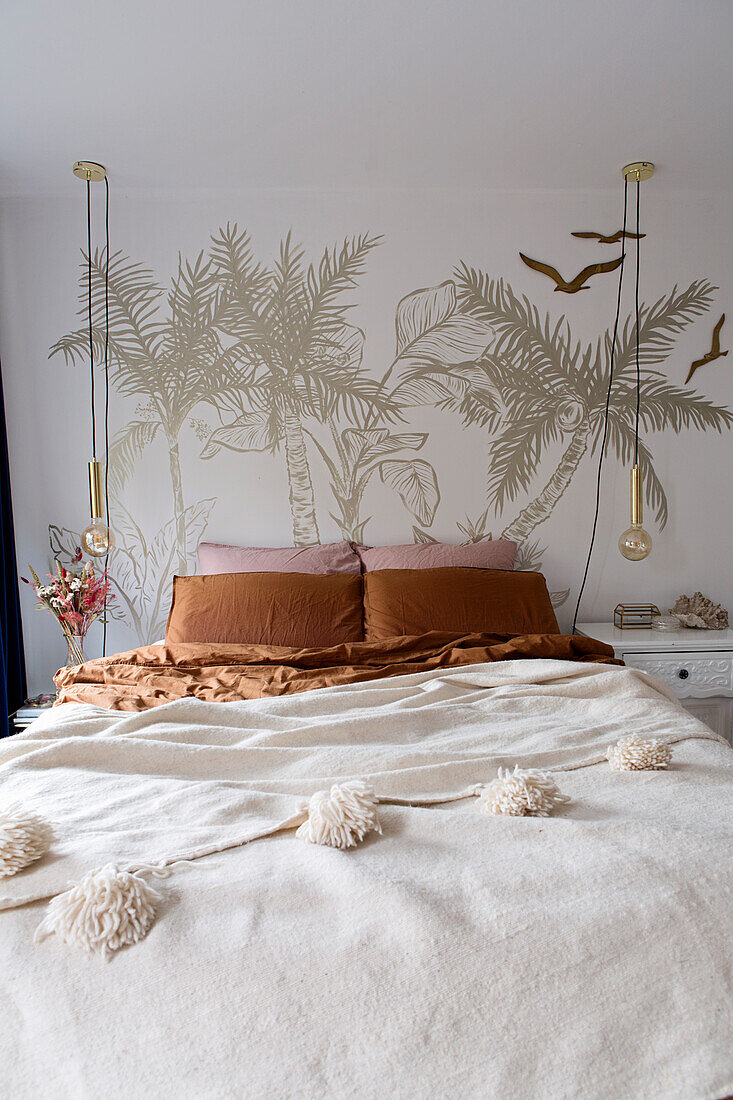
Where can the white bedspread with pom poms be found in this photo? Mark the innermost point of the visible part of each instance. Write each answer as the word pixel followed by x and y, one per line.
pixel 578 942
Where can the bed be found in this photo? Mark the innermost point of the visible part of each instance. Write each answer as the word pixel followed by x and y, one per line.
pixel 455 952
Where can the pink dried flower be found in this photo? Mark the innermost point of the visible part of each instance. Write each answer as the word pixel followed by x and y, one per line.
pixel 75 599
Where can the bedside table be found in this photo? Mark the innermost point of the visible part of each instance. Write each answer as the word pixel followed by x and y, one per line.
pixel 20 719
pixel 696 664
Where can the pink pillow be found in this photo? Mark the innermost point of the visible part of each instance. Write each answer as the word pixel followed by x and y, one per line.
pixel 335 557
pixel 488 554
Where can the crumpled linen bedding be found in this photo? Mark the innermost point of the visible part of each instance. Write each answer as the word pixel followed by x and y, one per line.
pixel 151 675
pixel 586 954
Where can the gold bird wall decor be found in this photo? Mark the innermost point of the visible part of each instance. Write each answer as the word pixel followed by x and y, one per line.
pixel 714 353
pixel 571 286
pixel 611 238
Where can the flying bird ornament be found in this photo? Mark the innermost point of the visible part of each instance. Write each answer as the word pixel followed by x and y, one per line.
pixel 572 286
pixel 610 238
pixel 714 353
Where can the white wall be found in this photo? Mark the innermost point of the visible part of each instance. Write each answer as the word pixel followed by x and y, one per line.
pixel 426 232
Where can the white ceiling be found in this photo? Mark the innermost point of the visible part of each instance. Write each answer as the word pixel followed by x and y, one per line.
pixel 220 94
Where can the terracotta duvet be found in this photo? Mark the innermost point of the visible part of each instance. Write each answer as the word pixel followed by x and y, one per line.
pixel 151 675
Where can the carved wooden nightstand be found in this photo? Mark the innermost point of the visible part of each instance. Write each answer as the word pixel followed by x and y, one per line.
pixel 696 664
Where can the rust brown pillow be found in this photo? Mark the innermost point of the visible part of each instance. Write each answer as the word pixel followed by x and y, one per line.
pixel 291 609
pixel 482 601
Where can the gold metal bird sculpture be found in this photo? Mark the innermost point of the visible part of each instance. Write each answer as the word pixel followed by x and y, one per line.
pixel 714 353
pixel 571 286
pixel 611 238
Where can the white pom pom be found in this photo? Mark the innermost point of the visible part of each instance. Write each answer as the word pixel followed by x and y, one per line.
pixel 106 910
pixel 24 838
pixel 341 817
pixel 521 794
pixel 634 754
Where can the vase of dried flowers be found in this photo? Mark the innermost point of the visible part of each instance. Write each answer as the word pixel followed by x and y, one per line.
pixel 75 649
pixel 75 597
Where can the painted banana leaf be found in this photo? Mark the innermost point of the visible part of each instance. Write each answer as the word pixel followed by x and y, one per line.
pixel 430 328
pixel 252 431
pixel 368 445
pixel 417 484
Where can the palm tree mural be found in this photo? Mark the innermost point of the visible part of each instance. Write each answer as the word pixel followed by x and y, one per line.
pixel 535 386
pixel 169 362
pixel 268 349
pixel 298 360
pixel 553 389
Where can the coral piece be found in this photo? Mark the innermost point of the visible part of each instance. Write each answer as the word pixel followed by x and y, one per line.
pixel 106 910
pixel 341 817
pixel 699 612
pixel 634 754
pixel 24 838
pixel 521 793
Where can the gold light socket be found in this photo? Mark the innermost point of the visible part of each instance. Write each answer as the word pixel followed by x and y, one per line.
pixel 89 170
pixel 636 500
pixel 638 171
pixel 95 489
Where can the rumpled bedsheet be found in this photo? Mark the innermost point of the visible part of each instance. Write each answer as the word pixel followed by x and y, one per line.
pixel 151 675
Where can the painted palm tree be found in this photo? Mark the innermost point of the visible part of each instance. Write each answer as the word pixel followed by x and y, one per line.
pixel 171 362
pixel 563 398
pixel 298 360
pixel 536 387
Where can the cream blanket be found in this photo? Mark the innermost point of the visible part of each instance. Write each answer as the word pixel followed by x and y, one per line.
pixel 587 954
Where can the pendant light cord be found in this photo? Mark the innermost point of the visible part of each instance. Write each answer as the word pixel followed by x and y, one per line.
pixel 612 358
pixel 636 297
pixel 106 367
pixel 89 312
pixel 106 395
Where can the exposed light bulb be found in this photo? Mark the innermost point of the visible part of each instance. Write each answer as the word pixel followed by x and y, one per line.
pixel 635 543
pixel 97 539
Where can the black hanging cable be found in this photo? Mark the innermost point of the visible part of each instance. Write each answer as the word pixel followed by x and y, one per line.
pixel 608 395
pixel 89 311
pixel 638 373
pixel 106 395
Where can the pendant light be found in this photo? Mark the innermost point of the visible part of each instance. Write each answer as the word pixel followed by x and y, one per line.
pixel 635 543
pixel 97 539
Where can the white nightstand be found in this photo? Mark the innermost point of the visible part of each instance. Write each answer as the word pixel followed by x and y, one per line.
pixel 696 664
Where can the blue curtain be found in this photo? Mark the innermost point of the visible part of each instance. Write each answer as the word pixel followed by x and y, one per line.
pixel 11 631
